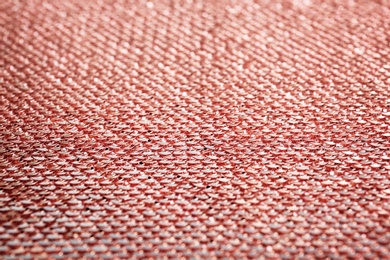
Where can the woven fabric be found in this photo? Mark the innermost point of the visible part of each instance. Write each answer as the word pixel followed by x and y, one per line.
pixel 194 129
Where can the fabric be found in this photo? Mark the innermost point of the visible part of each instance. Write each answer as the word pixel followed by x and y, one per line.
pixel 194 129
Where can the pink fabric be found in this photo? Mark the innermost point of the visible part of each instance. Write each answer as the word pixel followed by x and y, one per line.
pixel 194 129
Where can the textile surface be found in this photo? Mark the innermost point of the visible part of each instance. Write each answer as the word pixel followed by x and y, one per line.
pixel 194 129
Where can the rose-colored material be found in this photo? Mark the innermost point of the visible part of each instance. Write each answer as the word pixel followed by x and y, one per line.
pixel 195 129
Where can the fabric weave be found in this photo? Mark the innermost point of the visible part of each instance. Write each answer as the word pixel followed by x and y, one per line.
pixel 194 129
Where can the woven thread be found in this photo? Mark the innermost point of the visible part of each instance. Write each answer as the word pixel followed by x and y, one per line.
pixel 194 129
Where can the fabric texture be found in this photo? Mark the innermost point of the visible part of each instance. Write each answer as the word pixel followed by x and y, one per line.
pixel 194 129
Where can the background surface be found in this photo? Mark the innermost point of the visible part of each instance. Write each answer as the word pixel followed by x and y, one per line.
pixel 195 129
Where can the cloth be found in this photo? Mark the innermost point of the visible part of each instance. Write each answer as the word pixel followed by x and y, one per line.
pixel 194 129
